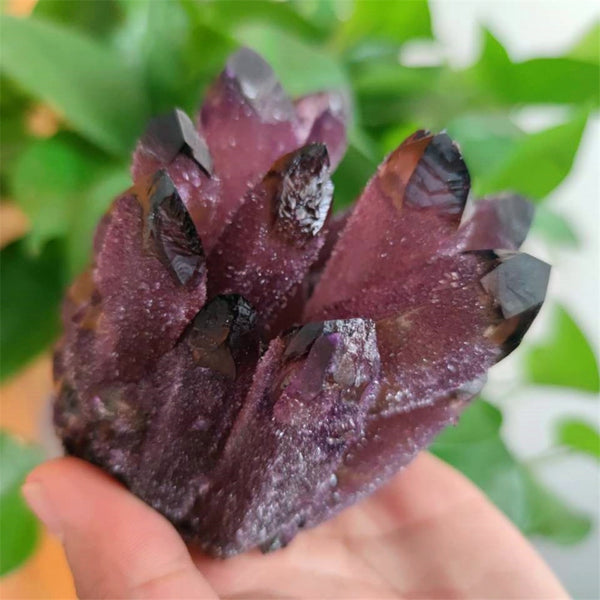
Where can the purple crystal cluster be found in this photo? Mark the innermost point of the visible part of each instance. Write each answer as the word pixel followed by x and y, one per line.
pixel 248 363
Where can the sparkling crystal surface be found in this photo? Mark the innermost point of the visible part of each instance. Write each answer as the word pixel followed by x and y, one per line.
pixel 249 363
pixel 501 222
pixel 413 203
pixel 276 235
pixel 172 144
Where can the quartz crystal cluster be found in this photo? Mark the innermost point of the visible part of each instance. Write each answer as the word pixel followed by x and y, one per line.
pixel 249 363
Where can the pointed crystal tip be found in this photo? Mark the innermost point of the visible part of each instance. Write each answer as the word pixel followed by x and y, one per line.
pixel 218 329
pixel 259 85
pixel 171 133
pixel 515 215
pixel 518 284
pixel 173 231
pixel 300 340
pixel 499 222
pixel 441 179
pixel 305 191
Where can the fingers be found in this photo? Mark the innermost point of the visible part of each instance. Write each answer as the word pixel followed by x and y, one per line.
pixel 117 546
pixel 429 533
pixel 439 536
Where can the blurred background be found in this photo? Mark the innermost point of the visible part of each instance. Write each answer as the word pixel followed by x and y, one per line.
pixel 516 83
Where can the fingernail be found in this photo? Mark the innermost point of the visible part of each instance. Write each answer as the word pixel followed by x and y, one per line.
pixel 38 502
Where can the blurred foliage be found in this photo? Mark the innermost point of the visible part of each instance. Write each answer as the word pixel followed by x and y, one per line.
pixel 565 358
pixel 31 288
pixel 476 448
pixel 101 96
pixel 552 151
pixel 579 436
pixel 18 526
pixel 105 67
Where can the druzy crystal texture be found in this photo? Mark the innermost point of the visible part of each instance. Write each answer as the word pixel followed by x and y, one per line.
pixel 249 363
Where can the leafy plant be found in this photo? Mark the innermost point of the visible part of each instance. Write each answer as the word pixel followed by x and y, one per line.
pixel 105 67
pixel 476 448
pixel 579 436
pixel 18 526
pixel 565 358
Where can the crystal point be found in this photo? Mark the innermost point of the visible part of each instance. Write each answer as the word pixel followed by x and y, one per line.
pixel 259 85
pixel 411 205
pixel 246 127
pixel 269 246
pixel 300 341
pixel 173 231
pixel 305 191
pixel 172 145
pixel 518 284
pixel 249 364
pixel 218 331
pixel 174 132
pixel 440 179
pixel 496 223
pixel 323 118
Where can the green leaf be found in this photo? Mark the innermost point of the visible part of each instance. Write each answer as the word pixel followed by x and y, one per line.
pixel 554 229
pixel 579 436
pixel 493 53
pixel 357 166
pixel 48 181
pixel 65 186
pixel 394 136
pixel 389 93
pixel 551 517
pixel 18 526
pixel 565 358
pixel 395 22
pixel 560 80
pixel 538 163
pixel 30 292
pixel 228 15
pixel 302 67
pixel 551 81
pixel 588 47
pixel 390 78
pixel 96 17
pixel 13 106
pixel 486 140
pixel 476 448
pixel 87 82
pixel 170 52
pixel 326 15
pixel 89 209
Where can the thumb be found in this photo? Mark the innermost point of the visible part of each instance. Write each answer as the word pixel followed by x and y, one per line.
pixel 117 546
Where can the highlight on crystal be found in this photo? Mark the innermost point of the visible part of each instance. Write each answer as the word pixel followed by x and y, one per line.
pixel 249 362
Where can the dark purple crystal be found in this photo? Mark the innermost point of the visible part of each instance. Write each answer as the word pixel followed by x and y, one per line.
pixel 174 234
pixel 276 235
pixel 248 363
pixel 501 222
pixel 169 134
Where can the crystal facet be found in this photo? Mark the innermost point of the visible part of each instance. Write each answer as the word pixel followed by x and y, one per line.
pixel 498 222
pixel 247 362
pixel 276 235
pixel 171 144
pixel 174 234
pixel 413 203
pixel 174 132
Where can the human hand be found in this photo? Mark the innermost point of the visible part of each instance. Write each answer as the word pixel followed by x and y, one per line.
pixel 428 534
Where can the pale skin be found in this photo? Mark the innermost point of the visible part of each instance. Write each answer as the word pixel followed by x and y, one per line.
pixel 428 534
